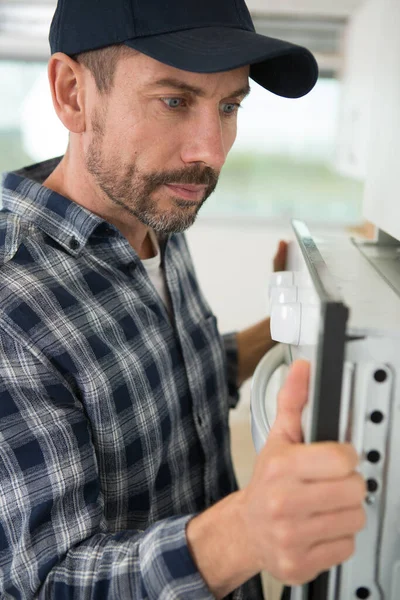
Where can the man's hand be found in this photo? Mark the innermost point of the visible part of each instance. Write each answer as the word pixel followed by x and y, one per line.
pixel 298 516
pixel 304 504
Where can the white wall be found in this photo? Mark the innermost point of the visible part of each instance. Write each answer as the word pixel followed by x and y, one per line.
pixel 382 191
pixel 360 52
pixel 369 133
pixel 234 263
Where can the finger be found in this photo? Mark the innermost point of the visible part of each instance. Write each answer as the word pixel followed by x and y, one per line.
pixel 326 555
pixel 306 463
pixel 325 461
pixel 281 257
pixel 305 534
pixel 291 401
pixel 333 526
pixel 306 501
pixel 294 570
pixel 330 496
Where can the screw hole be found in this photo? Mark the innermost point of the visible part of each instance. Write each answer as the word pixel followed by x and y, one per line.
pixel 380 375
pixel 377 416
pixel 373 456
pixel 372 485
pixel 363 593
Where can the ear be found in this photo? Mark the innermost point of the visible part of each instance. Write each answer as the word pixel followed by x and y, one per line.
pixel 66 80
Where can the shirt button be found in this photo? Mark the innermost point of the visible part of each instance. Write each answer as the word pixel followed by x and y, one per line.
pixel 74 244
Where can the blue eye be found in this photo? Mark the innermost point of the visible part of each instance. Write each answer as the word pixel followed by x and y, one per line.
pixel 230 108
pixel 173 102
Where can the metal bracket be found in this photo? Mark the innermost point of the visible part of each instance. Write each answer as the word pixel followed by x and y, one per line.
pixel 373 388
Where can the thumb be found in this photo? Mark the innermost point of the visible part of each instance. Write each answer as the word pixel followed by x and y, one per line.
pixel 291 401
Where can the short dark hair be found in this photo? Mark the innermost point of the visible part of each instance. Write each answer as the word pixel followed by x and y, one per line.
pixel 102 64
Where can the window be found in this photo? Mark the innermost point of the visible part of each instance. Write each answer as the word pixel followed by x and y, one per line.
pixel 29 128
pixel 283 162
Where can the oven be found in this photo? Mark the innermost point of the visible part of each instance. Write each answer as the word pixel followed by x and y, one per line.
pixel 338 306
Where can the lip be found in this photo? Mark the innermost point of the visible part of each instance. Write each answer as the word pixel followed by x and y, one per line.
pixel 187 191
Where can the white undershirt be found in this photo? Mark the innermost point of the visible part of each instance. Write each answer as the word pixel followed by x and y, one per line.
pixel 156 273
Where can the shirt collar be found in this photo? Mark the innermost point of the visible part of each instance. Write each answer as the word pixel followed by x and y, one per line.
pixel 68 223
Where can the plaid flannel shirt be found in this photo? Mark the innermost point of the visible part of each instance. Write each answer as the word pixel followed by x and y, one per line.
pixel 113 420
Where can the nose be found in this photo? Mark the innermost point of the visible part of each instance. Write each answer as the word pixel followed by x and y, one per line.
pixel 206 141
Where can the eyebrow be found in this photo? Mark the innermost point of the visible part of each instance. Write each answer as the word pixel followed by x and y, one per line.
pixel 197 91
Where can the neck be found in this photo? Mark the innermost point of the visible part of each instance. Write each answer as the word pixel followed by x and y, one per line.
pixel 69 180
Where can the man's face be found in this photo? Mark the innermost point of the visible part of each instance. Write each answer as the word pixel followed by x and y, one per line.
pixel 160 138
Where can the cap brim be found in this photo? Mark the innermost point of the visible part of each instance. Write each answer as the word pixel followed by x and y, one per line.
pixel 281 67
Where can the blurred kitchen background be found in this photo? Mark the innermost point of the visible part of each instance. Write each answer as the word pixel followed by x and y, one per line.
pixel 301 158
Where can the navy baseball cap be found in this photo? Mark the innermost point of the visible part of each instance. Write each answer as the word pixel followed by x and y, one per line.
pixel 202 36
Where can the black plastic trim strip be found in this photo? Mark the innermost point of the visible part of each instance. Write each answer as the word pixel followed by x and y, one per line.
pixel 329 367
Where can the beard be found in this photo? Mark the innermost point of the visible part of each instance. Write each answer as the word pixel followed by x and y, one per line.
pixel 133 191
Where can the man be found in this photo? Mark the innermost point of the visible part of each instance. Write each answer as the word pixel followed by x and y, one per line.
pixel 115 473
